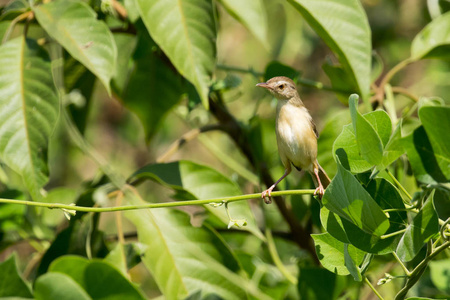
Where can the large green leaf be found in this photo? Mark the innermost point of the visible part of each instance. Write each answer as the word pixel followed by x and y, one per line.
pixel 393 149
pixel 347 198
pixel 369 143
pixel 311 282
pixel 28 111
pixel 436 121
pixel 75 26
pixel 344 27
pixel 185 31
pixel 201 182
pixel 183 258
pixel 58 286
pixel 424 226
pixel 252 14
pixel 434 40
pixel 11 283
pixel 99 279
pixel 331 253
pixel 153 88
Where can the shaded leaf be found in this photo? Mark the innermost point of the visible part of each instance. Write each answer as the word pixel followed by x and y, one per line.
pixel 201 182
pixel 11 283
pixel 75 26
pixel 185 31
pixel 28 111
pixel 347 198
pixel 434 40
pixel 311 282
pixel 153 88
pixel 436 121
pixel 99 279
pixel 352 267
pixel 275 68
pixel 57 286
pixel 183 258
pixel 339 81
pixel 393 149
pixel 331 253
pixel 344 27
pixel 251 14
pixel 423 227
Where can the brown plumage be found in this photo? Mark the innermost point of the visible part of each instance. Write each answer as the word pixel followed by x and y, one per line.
pixel 296 134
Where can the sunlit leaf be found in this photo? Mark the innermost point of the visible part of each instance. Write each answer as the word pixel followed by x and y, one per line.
pixel 28 111
pixel 185 31
pixel 423 227
pixel 183 258
pixel 58 286
pixel 74 25
pixel 331 253
pixel 344 27
pixel 252 14
pixel 440 274
pixel 201 182
pixel 434 40
pixel 99 279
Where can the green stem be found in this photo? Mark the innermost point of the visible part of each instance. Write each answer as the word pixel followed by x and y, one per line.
pixel 400 186
pixel 276 258
pixel 154 205
pixel 386 236
pixel 405 269
pixel 373 288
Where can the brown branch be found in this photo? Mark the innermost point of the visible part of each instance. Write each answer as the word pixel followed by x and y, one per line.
pixel 238 135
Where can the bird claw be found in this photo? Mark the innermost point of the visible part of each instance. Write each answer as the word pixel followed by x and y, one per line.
pixel 319 191
pixel 266 193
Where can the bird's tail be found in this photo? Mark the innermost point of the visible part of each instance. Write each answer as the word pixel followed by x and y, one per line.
pixel 324 177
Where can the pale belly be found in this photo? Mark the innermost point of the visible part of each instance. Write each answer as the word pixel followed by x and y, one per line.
pixel 297 143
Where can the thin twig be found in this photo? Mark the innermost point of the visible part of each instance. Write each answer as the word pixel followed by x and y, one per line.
pixel 276 258
pixel 373 288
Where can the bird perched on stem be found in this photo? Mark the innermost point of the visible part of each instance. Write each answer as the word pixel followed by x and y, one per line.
pixel 296 134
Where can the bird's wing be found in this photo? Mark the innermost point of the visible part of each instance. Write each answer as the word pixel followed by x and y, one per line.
pixel 313 125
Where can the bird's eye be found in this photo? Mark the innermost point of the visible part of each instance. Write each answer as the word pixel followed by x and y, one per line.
pixel 281 86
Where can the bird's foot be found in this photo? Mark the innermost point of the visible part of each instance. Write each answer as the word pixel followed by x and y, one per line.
pixel 319 191
pixel 267 193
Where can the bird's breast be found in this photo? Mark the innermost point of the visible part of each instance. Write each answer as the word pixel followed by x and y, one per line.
pixel 295 135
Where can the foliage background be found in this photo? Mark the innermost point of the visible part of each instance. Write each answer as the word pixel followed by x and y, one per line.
pixel 106 131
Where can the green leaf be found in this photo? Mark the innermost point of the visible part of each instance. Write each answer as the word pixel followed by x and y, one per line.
pixel 126 45
pixel 347 198
pixel 311 283
pixel 436 121
pixel 393 149
pixel 351 265
pixel 57 286
pixel 99 279
pixel 201 182
pixel 28 111
pixel 152 80
pixel 440 274
pixel 367 138
pixel 423 227
pixel 11 283
pixel 434 40
pixel 252 15
pixel 74 25
pixel 352 157
pixel 185 31
pixel 340 81
pixel 275 68
pixel 331 253
pixel 424 161
pixel 183 258
pixel 344 27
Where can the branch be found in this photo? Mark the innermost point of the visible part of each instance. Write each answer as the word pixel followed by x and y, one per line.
pixel 68 207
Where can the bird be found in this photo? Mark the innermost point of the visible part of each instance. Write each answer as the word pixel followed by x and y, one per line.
pixel 296 134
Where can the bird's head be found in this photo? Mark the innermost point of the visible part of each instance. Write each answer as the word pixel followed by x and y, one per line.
pixel 281 87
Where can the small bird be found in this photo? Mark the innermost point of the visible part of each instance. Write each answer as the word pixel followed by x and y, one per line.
pixel 296 134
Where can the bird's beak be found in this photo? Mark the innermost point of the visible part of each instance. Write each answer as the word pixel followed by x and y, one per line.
pixel 263 85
